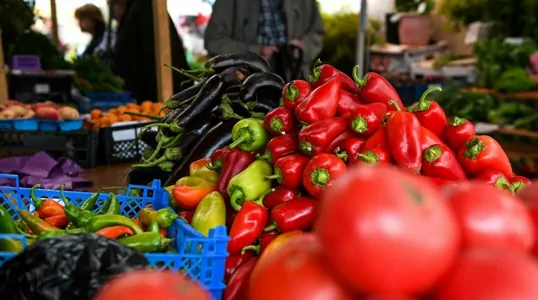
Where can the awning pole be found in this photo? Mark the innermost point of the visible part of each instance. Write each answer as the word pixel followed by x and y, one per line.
pixel 361 37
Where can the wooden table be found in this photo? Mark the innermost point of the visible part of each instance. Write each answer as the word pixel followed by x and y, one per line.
pixel 108 176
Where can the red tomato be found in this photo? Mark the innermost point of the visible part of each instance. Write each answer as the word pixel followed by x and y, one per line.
pixel 150 285
pixel 491 274
pixel 385 231
pixel 530 196
pixel 489 217
pixel 294 272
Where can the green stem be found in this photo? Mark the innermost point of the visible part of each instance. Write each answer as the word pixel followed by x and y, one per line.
pixel 432 154
pixel 457 121
pixel 238 141
pixel 306 147
pixel 368 157
pixel 37 201
pixel 155 152
pixel 292 92
pixel 274 176
pixel 254 248
pixel 276 124
pixel 424 104
pixel 473 148
pixel 342 154
pixel 320 177
pixel 393 103
pixel 228 112
pixel 236 197
pixel 182 72
pixel 270 227
pixel 152 117
pixel 265 156
pixel 360 81
pixel 359 124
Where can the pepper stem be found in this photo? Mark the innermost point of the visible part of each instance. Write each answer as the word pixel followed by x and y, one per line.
pixel 265 156
pixel 281 102
pixel 228 113
pixel 433 153
pixel 361 82
pixel 255 248
pixel 359 124
pixel 342 154
pixel 518 186
pixel 424 104
pixel 182 72
pixel 37 201
pixel 320 177
pixel 393 103
pixel 259 201
pixel 276 124
pixel 280 178
pixel 274 176
pixel 270 227
pixel 368 157
pixel 457 121
pixel 237 196
pixel 306 147
pixel 473 148
pixel 238 141
pixel 504 184
pixel 152 117
pixel 292 92
pixel 155 152
pixel 215 165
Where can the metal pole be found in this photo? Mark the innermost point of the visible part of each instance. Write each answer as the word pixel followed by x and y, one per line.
pixel 361 37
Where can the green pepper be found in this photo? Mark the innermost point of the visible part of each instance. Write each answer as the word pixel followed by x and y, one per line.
pixel 35 224
pixel 154 226
pixel 67 204
pixel 249 135
pixel 210 213
pixel 56 233
pixel 101 221
pixel 111 207
pixel 8 226
pixel 89 204
pixel 165 217
pixel 146 242
pixel 250 184
pixel 83 218
pixel 171 200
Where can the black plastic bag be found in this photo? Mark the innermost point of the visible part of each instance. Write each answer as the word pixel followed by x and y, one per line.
pixel 67 267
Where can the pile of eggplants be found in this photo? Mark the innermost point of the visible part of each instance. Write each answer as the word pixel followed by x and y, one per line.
pixel 200 118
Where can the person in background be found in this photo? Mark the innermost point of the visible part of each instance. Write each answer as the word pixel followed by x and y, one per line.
pixel 90 20
pixel 134 57
pixel 264 27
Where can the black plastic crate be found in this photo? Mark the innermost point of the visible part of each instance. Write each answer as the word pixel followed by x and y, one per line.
pixel 114 140
pixel 35 86
pixel 81 146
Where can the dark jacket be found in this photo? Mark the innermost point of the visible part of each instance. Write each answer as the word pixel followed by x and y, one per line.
pixel 134 58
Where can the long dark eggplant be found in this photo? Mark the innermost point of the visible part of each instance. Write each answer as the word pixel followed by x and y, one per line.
pixel 217 137
pixel 180 98
pixel 252 61
pixel 257 85
pixel 234 76
pixel 149 137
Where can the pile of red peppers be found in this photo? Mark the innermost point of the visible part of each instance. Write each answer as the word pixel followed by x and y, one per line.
pixel 272 181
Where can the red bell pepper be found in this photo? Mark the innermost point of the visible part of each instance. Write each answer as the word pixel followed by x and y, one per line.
pixel 519 182
pixel 404 139
pixel 314 138
pixel 288 169
pixel 298 214
pixel 216 159
pixel 496 178
pixel 237 287
pixel 365 119
pixel 267 238
pixel 295 92
pixel 457 131
pixel 234 261
pixel 247 226
pixel 337 142
pixel 278 195
pixel 186 215
pixel 375 88
pixel 439 182
pixel 347 103
pixel 428 139
pixel 321 171
pixel 377 140
pixel 321 103
pixel 374 156
pixel 279 121
pixel 324 73
pixel 349 149
pixel 430 114
pixel 233 163
pixel 280 146
pixel 482 153
pixel 440 162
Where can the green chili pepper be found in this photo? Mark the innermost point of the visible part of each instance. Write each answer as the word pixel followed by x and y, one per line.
pixel 210 213
pixel 83 218
pixel 37 201
pixel 111 207
pixel 250 184
pixel 154 226
pixel 56 233
pixel 146 242
pixel 99 222
pixel 89 204
pixel 249 135
pixel 105 206
pixel 71 211
pixel 35 224
pixel 8 226
pixel 165 217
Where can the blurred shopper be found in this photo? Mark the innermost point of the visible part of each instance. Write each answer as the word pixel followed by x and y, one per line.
pixel 266 27
pixel 90 20
pixel 134 58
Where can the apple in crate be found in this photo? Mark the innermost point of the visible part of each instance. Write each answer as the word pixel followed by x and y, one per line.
pixel 68 113
pixel 47 113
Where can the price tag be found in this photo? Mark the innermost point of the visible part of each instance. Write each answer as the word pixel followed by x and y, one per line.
pixel 42 88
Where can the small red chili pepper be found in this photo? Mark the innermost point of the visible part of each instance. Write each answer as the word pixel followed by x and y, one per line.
pixel 216 159
pixel 321 171
pixel 278 195
pixel 347 102
pixel 428 139
pixel 349 149
pixel 430 114
pixel 59 221
pixel 377 140
pixel 186 215
pixel 321 103
pixel 365 119
pixel 237 286
pixel 457 131
pixel 45 207
pixel 375 88
pixel 280 146
pixel 496 178
pixel 403 136
pixel 233 163
pixel 234 261
pixel 440 162
pixel 337 142
pixel 289 169
pixel 279 121
pixel 519 182
pixel 323 73
pixel 482 153
pixel 295 92
pixel 314 138
pixel 374 156
pixel 114 232
pixel 298 214
pixel 247 226
pixel 267 238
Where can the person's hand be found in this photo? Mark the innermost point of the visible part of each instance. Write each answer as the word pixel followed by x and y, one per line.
pixel 268 51
pixel 297 43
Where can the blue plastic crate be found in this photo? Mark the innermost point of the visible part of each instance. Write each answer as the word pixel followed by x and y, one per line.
pixel 71 125
pixel 26 124
pixel 48 125
pixel 105 101
pixel 202 258
pixel 6 124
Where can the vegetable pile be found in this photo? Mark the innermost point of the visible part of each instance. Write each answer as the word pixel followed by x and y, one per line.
pixel 99 119
pixel 146 233
pixel 45 111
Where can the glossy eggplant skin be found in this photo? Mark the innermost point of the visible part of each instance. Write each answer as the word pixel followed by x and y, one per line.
pixel 262 85
pixel 250 60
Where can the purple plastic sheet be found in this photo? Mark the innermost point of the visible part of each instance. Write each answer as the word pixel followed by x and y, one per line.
pixel 42 169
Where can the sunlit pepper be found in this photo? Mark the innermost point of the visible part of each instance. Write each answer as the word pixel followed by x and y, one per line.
pixel 199 169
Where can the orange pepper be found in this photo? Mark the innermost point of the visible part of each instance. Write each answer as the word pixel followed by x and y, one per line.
pixel 198 169
pixel 190 190
pixel 59 221
pixel 279 242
